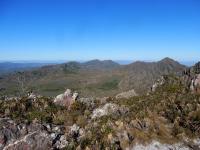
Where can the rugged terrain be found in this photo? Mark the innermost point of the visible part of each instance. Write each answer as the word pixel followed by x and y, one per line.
pixel 167 117
pixel 93 78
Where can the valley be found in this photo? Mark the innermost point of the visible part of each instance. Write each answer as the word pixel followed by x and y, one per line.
pixel 94 78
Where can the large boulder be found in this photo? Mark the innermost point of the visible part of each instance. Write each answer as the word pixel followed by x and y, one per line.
pixel 66 99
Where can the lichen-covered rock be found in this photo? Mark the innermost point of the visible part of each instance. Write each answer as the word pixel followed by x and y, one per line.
pixel 35 136
pixel 107 109
pixel 195 84
pixel 66 99
pixel 61 143
pixel 89 102
pixel 36 140
pixel 22 136
pixel 155 145
pixel 158 83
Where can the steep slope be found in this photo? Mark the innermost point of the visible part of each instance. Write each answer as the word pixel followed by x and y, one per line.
pixel 141 75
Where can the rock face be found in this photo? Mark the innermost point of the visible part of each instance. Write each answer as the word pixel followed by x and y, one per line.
pixel 35 136
pixel 66 99
pixel 155 145
pixel 36 140
pixel 23 136
pixel 158 83
pixel 195 84
pixel 192 78
pixel 128 94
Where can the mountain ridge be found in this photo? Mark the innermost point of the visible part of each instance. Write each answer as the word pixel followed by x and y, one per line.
pixel 99 78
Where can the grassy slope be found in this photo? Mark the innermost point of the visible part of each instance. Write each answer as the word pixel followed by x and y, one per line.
pixel 97 79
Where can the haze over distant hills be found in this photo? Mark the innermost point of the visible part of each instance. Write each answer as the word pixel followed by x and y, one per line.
pixel 21 65
pixel 8 67
pixel 99 78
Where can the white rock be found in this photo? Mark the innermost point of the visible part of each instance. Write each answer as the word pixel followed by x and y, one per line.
pixel 68 92
pixel 158 83
pixel 66 99
pixel 107 109
pixel 128 94
pixel 53 135
pixel 74 129
pixel 61 143
pixel 74 96
pixel 155 145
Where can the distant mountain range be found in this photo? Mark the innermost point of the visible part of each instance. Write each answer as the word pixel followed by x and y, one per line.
pixel 11 66
pixel 95 77
pixel 8 67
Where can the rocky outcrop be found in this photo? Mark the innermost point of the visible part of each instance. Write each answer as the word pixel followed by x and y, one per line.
pixel 90 102
pixel 127 94
pixel 196 68
pixel 195 84
pixel 36 140
pixel 108 109
pixel 30 136
pixel 66 99
pixel 158 83
pixel 155 145
pixel 191 77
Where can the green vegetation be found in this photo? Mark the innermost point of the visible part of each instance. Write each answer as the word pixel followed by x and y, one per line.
pixel 168 115
pixel 110 85
pixel 95 78
pixel 71 68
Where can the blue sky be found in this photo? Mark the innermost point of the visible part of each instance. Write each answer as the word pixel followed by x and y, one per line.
pixel 103 29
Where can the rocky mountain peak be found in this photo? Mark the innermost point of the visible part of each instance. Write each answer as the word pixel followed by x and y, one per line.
pixel 170 61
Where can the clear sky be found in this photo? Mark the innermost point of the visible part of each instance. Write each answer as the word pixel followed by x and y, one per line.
pixel 102 29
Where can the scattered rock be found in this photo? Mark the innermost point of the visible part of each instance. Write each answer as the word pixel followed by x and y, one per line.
pixel 128 94
pixel 155 145
pixel 61 143
pixel 107 109
pixel 30 136
pixel 90 102
pixel 32 96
